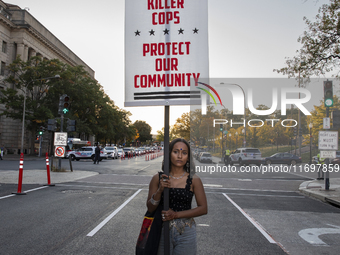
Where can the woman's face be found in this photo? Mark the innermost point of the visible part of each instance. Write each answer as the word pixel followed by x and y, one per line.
pixel 179 154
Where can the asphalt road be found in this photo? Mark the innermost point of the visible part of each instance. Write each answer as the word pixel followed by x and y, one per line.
pixel 249 213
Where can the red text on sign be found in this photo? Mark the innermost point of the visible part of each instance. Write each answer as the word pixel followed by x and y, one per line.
pixel 165 80
pixel 165 4
pixel 169 48
pixel 161 18
pixel 166 64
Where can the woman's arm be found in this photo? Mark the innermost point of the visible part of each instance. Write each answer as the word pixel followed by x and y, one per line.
pixel 155 189
pixel 201 200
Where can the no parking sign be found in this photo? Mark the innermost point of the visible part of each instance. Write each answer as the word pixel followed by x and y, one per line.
pixel 59 151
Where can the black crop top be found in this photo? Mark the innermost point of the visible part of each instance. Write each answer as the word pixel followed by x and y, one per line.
pixel 180 198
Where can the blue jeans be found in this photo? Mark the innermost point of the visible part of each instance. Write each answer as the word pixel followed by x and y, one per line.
pixel 180 244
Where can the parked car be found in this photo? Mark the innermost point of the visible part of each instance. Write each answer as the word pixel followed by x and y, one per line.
pixel 120 152
pixel 283 158
pixel 205 157
pixel 246 156
pixel 128 152
pixel 112 152
pixel 87 152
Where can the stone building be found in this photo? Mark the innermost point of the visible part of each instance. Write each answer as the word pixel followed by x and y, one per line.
pixel 22 35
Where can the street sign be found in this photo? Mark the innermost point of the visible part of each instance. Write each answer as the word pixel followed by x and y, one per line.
pixel 59 151
pixel 327 154
pixel 60 139
pixel 326 123
pixel 328 140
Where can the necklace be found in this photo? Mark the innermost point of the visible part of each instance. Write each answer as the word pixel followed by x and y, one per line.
pixel 177 178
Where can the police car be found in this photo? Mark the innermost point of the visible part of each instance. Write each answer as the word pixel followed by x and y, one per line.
pixel 86 152
pixel 246 156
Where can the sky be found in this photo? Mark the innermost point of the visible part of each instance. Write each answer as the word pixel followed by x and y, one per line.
pixel 247 39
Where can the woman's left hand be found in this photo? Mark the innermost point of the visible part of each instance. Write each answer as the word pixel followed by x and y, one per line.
pixel 168 215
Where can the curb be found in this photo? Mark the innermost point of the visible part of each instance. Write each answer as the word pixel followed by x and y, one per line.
pixel 315 190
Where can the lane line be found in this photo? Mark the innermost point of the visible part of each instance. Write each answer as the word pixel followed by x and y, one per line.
pixel 259 228
pixel 27 191
pixel 258 195
pixel 102 224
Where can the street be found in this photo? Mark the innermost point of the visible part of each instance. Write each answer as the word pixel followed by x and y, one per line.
pixel 248 213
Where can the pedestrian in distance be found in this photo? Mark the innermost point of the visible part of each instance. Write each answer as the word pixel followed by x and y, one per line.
pixel 1 152
pixel 227 157
pixel 96 154
pixel 183 184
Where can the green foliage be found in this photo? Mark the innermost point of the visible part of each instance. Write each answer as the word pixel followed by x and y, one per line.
pixel 93 110
pixel 320 51
pixel 143 130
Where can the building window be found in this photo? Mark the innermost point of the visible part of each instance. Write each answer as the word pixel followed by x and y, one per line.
pixel 4 47
pixel 2 68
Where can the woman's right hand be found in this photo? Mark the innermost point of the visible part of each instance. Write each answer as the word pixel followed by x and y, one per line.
pixel 164 182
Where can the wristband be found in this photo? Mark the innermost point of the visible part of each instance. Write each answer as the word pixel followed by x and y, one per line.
pixel 153 201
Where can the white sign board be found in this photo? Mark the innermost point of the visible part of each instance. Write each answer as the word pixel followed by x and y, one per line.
pixel 59 151
pixel 326 123
pixel 166 51
pixel 328 140
pixel 60 139
pixel 327 154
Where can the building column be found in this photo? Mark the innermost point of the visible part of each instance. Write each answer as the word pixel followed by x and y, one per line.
pixel 20 50
pixel 25 58
pixel 32 53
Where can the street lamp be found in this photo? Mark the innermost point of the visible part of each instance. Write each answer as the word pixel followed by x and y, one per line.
pixel 310 142
pixel 230 140
pixel 24 110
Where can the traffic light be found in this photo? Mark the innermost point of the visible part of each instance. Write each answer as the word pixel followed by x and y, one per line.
pixel 41 130
pixel 328 93
pixel 52 125
pixel 221 127
pixel 295 129
pixel 66 104
pixel 71 125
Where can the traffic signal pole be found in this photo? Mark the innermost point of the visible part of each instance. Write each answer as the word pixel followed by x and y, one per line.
pixel 328 101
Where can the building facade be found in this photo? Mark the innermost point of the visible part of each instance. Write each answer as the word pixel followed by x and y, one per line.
pixel 22 35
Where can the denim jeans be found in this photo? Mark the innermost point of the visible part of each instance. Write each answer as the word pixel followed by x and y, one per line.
pixel 180 244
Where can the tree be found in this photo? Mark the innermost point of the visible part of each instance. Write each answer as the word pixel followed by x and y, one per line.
pixel 320 51
pixel 160 134
pixel 143 129
pixel 93 110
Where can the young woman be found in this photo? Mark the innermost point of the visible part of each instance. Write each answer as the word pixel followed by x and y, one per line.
pixel 183 184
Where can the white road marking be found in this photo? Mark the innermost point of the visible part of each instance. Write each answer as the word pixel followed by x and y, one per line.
pixel 102 224
pixel 212 185
pixel 258 195
pixel 27 191
pixel 259 228
pixel 311 235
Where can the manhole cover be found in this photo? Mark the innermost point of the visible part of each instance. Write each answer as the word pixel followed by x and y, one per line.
pixel 77 191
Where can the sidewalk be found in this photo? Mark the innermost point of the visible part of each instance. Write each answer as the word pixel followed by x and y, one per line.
pixel 39 176
pixel 316 189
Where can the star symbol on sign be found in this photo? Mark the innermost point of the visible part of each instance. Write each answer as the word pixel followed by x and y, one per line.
pixel 180 31
pixel 137 33
pixel 166 31
pixel 152 32
pixel 195 30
